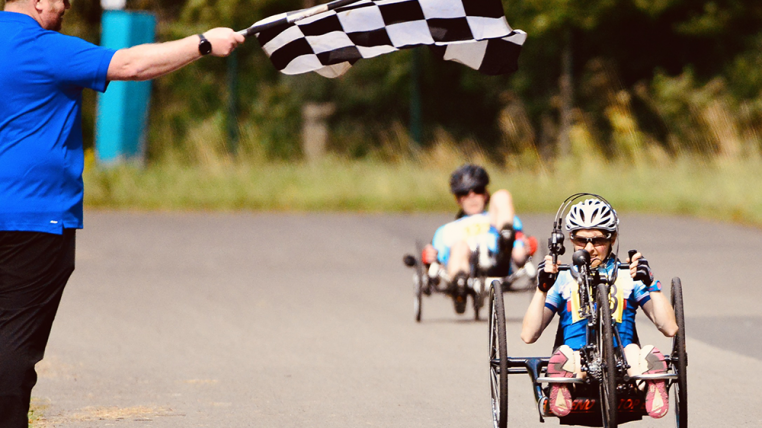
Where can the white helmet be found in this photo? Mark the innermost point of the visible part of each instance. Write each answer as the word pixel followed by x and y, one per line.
pixel 592 214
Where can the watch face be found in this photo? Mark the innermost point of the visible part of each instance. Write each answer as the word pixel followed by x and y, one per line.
pixel 204 46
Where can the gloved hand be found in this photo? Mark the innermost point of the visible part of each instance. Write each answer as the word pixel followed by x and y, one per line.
pixel 531 245
pixel 428 254
pixel 530 242
pixel 546 278
pixel 641 271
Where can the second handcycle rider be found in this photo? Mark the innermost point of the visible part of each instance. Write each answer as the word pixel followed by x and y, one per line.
pixel 592 225
pixel 486 221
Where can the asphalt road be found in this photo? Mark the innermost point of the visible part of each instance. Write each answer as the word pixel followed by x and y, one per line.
pixel 281 320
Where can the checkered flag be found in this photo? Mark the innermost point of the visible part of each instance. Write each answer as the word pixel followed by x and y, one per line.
pixel 472 32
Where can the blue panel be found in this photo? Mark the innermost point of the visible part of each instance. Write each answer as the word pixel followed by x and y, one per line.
pixel 122 110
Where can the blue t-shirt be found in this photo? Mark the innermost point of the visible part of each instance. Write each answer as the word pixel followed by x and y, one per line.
pixel 563 299
pixel 475 229
pixel 42 75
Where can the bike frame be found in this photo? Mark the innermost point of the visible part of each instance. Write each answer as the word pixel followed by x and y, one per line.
pixel 591 354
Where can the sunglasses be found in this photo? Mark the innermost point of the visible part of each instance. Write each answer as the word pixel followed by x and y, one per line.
pixel 477 190
pixel 597 241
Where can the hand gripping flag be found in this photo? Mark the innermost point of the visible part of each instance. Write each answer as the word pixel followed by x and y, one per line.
pixel 471 32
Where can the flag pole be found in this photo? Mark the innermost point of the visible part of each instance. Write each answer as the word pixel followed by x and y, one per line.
pixel 291 17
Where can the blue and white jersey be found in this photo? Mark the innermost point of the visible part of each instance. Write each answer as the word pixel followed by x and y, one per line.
pixel 627 295
pixel 475 229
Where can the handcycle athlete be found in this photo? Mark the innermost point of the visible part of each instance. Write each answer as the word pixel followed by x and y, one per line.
pixel 486 228
pixel 591 378
pixel 593 226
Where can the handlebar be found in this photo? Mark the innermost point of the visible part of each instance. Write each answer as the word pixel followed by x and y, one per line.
pixel 556 244
pixel 582 257
pixel 409 260
pixel 565 267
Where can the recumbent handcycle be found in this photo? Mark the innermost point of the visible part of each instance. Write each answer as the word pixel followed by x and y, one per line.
pixel 429 281
pixel 607 395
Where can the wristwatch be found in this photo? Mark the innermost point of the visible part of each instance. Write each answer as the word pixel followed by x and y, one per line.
pixel 204 45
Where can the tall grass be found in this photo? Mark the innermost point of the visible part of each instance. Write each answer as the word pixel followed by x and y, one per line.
pixel 696 186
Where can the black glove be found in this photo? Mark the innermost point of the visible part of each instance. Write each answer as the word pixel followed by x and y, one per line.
pixel 643 272
pixel 545 280
pixel 507 237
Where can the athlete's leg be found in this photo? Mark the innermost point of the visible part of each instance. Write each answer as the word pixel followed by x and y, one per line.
pixel 458 268
pixel 563 363
pixel 501 209
pixel 657 400
pixel 632 354
pixel 502 213
pixel 649 361
pixel 34 268
pixel 459 261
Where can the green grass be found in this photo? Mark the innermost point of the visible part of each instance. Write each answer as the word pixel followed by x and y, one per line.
pixel 36 412
pixel 726 191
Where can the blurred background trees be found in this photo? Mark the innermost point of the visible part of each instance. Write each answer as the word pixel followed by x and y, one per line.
pixel 641 79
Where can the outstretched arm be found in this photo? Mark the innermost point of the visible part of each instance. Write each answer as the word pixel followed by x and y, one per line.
pixel 148 61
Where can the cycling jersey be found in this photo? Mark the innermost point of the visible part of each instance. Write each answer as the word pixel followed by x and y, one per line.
pixel 563 298
pixel 476 230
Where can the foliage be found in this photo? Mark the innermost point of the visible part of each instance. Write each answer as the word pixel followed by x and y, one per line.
pixel 669 75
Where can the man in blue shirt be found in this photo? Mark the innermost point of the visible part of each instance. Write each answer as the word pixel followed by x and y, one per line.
pixel 41 162
pixel 592 225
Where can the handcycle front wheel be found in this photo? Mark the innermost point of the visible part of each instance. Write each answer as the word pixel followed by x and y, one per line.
pixel 480 292
pixel 607 387
pixel 679 357
pixel 498 357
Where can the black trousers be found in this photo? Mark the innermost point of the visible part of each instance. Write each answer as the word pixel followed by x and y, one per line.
pixel 34 269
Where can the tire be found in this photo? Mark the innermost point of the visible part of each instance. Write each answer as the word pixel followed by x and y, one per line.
pixel 418 286
pixel 679 358
pixel 498 357
pixel 479 296
pixel 607 387
pixel 418 299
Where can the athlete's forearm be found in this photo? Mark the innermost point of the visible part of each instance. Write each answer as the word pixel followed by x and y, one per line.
pixel 536 318
pixel 660 311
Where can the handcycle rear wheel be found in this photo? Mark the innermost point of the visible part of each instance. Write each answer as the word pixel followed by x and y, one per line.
pixel 679 357
pixel 607 387
pixel 418 290
pixel 498 357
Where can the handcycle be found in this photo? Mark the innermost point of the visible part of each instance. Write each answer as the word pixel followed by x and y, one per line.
pixel 428 280
pixel 606 395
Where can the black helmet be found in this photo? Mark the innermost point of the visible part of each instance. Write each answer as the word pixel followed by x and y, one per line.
pixel 468 177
